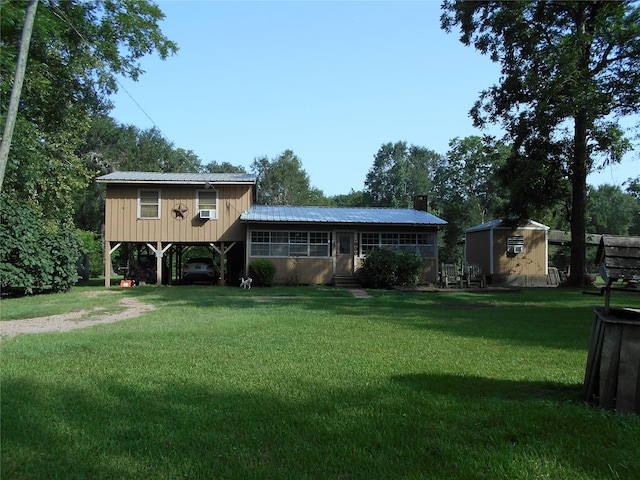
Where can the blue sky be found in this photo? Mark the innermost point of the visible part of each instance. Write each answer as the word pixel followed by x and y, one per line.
pixel 330 80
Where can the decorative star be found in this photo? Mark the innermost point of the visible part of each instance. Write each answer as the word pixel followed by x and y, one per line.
pixel 179 211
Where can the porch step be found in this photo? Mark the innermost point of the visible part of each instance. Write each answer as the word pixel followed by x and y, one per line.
pixel 346 281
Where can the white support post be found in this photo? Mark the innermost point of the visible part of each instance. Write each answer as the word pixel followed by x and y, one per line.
pixel 108 250
pixel 159 253
pixel 107 264
pixel 159 256
pixel 222 251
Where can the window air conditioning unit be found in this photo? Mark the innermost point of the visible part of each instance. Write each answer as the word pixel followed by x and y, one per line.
pixel 206 214
pixel 516 248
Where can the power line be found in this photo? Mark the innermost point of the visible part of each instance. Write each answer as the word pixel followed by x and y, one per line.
pixel 61 15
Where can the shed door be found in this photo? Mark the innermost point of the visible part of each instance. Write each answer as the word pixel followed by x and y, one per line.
pixel 344 253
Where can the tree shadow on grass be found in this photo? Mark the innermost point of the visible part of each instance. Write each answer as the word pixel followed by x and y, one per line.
pixel 439 426
pixel 479 388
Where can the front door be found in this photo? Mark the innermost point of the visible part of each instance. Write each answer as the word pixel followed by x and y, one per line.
pixel 344 253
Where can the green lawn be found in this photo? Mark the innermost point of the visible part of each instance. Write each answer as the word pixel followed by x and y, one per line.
pixel 305 382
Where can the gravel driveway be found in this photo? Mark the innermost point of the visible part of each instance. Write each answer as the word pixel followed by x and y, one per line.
pixel 70 321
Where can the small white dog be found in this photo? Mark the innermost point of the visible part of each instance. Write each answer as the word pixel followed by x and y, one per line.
pixel 246 282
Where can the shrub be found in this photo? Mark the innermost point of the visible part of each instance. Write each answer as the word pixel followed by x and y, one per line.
pixel 34 256
pixel 262 272
pixel 409 266
pixel 378 269
pixel 384 269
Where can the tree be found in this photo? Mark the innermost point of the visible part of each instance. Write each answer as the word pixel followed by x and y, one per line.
pixel 610 210
pixel 352 199
pixel 77 50
pixel 224 167
pixel 633 189
pixel 283 181
pixel 466 191
pixel 399 172
pixel 16 88
pixel 569 69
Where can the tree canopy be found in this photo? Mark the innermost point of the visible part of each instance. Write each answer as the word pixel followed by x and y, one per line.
pixel 283 181
pixel 78 50
pixel 399 172
pixel 568 71
pixel 466 191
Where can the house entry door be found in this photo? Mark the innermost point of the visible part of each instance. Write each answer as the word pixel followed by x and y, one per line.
pixel 344 253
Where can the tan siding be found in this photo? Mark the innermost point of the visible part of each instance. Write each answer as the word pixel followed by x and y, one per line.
pixel 477 249
pixel 122 224
pixel 531 262
pixel 312 271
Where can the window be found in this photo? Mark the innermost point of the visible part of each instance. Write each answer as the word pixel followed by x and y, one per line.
pixel 423 244
pixel 208 200
pixel 369 241
pixel 515 244
pixel 289 244
pixel 149 204
pixel 318 244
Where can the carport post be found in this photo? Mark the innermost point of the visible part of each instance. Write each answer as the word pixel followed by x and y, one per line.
pixel 222 252
pixel 107 261
pixel 159 251
pixel 159 255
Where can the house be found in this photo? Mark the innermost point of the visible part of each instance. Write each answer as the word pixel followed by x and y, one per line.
pixel 515 255
pixel 158 217
pixel 313 245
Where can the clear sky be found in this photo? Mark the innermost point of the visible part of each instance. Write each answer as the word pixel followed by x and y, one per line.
pixel 330 80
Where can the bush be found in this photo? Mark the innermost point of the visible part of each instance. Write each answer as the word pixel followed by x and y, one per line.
pixel 262 272
pixel 384 269
pixel 34 256
pixel 409 266
pixel 378 269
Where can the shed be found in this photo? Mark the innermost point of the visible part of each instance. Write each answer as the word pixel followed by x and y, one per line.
pixel 514 254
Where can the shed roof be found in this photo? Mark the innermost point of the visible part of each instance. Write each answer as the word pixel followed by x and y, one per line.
pixel 501 224
pixel 177 178
pixel 340 215
pixel 619 257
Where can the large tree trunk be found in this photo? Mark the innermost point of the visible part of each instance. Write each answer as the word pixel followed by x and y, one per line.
pixel 579 202
pixel 580 166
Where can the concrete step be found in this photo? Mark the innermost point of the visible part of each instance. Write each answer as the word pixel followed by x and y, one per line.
pixel 346 281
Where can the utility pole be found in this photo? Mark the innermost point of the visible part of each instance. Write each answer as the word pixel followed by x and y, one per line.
pixel 16 89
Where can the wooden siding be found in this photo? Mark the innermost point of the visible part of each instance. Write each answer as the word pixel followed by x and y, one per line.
pixel 305 271
pixel 477 247
pixel 123 225
pixel 533 261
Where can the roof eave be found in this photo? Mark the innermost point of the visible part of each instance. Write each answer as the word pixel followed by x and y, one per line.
pixel 342 224
pixel 176 182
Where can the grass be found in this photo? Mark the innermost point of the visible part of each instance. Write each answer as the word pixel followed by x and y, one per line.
pixel 312 383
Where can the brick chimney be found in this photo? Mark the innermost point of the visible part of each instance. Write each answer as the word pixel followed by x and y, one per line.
pixel 420 202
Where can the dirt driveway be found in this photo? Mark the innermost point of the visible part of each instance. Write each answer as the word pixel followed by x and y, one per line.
pixel 71 321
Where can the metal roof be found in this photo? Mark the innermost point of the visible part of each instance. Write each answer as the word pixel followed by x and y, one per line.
pixel 176 178
pixel 344 215
pixel 493 224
